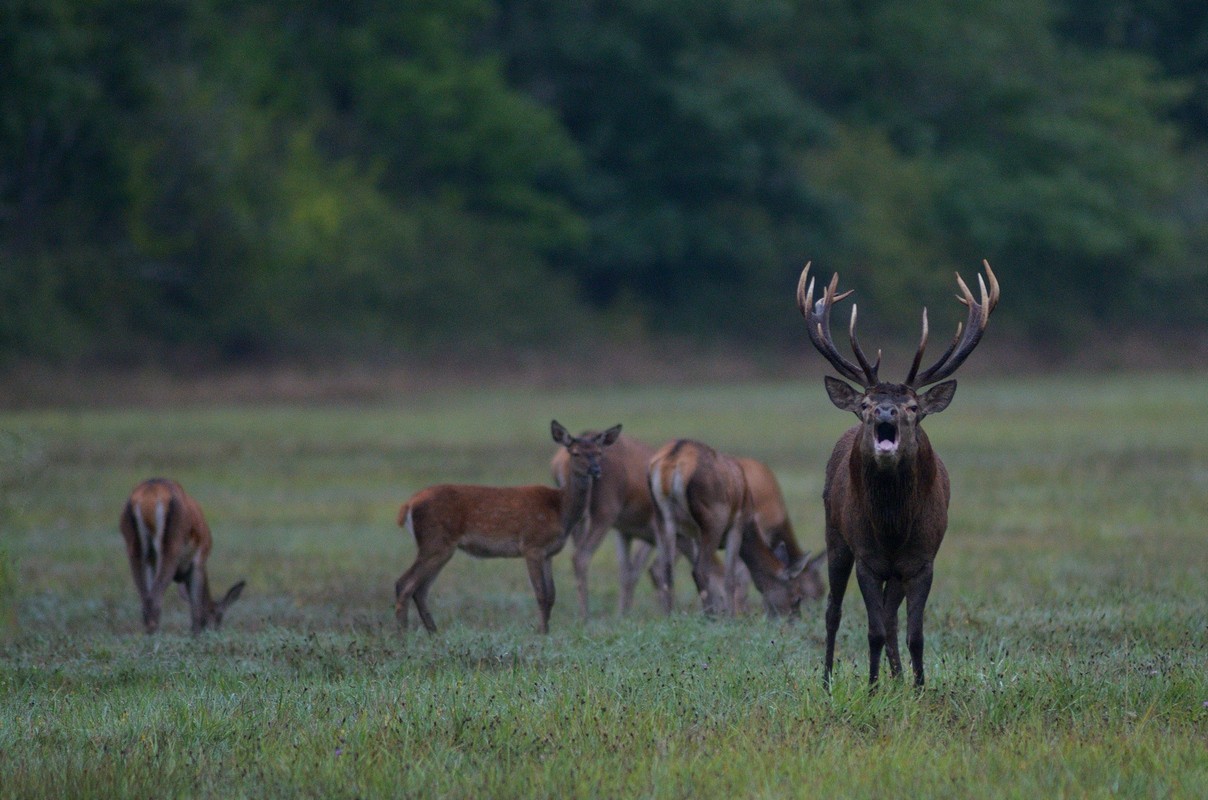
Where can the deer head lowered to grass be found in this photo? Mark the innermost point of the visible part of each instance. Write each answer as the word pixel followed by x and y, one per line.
pixel 887 491
pixel 706 498
pixel 167 539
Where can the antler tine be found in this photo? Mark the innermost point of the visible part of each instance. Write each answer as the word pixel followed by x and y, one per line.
pixel 967 335
pixel 918 355
pixel 817 317
pixel 870 370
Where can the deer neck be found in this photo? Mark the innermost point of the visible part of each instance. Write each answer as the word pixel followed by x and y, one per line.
pixel 576 499
pixel 766 570
pixel 894 497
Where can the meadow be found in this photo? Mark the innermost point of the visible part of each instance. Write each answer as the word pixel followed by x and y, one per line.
pixel 1067 630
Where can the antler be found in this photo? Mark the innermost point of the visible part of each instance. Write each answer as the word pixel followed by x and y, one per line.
pixel 817 318
pixel 967 336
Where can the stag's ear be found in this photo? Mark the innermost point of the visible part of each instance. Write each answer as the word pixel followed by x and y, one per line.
pixel 813 561
pixel 560 434
pixel 843 395
pixel 937 398
pixel 609 436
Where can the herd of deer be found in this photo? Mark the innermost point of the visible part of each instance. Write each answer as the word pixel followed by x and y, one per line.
pixel 885 498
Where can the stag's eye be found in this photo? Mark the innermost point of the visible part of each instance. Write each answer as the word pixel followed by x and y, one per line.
pixel 913 408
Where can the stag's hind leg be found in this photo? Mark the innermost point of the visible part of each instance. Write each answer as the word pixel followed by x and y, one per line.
pixel 839 561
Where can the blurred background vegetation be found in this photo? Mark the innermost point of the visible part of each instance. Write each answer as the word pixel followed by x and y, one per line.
pixel 229 181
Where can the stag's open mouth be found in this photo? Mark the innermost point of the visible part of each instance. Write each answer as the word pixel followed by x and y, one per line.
pixel 886 437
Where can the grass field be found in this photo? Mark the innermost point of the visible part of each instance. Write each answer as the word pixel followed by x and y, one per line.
pixel 1067 628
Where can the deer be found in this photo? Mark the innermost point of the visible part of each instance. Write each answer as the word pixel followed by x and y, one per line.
pixel 168 539
pixel 621 499
pixel 529 522
pixel 887 492
pixel 704 496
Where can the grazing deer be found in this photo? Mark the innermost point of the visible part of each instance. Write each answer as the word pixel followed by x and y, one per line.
pixel 704 496
pixel 772 516
pixel 621 499
pixel 167 539
pixel 529 522
pixel 887 491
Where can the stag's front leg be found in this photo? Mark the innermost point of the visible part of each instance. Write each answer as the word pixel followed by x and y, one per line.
pixel 872 588
pixel 839 561
pixel 917 590
pixel 894 592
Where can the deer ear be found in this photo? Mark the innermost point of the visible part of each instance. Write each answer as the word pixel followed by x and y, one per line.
pixel 609 436
pixel 843 395
pixel 232 595
pixel 560 434
pixel 937 398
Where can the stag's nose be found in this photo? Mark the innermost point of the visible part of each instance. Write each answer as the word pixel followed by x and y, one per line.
pixel 887 413
pixel 593 469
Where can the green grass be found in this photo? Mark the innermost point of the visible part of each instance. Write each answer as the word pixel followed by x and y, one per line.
pixel 1067 630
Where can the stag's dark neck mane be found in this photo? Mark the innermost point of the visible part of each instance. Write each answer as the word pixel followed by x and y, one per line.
pixel 894 498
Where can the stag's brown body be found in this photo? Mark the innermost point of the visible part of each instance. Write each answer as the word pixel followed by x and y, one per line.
pixel 529 522
pixel 891 522
pixel 887 492
pixel 703 496
pixel 168 539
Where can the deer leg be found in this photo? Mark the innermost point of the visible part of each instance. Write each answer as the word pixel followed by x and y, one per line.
pixel 138 564
pixel 585 548
pixel 664 562
pixel 839 561
pixel 894 592
pixel 733 541
pixel 916 601
pixel 195 584
pixel 872 589
pixel 631 566
pixel 414 585
pixel 541 575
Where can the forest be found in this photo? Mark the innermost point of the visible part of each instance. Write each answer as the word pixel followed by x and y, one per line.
pixel 244 180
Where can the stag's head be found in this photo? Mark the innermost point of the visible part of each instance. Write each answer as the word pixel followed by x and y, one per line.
pixel 585 451
pixel 890 413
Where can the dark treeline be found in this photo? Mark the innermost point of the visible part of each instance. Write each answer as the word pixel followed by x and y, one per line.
pixel 233 179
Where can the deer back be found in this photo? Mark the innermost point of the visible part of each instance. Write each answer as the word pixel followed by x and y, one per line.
pixel 486 520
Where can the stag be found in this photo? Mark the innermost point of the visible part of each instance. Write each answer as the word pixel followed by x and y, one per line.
pixel 529 522
pixel 704 496
pixel 887 491
pixel 168 539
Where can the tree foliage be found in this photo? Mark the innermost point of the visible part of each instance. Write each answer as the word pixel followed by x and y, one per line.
pixel 227 179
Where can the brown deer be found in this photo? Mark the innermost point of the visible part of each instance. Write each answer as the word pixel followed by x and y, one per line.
pixel 887 491
pixel 529 522
pixel 620 499
pixel 167 539
pixel 703 496
pixel 772 516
